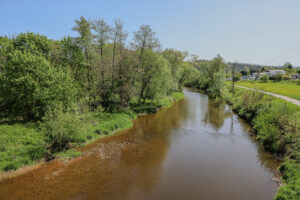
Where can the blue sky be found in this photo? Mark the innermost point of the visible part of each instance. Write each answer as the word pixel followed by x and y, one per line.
pixel 253 31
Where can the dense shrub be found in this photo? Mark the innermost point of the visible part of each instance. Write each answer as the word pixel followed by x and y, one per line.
pixel 30 87
pixel 277 77
pixel 290 170
pixel 62 129
pixel 274 127
pixel 286 77
pixel 264 78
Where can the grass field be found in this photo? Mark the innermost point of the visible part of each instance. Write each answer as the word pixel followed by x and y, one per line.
pixel 286 88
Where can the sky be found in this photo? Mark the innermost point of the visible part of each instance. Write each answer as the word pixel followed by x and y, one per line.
pixel 263 32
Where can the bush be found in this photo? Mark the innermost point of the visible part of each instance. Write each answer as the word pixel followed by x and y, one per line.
pixel 286 77
pixel 278 77
pixel 264 78
pixel 29 86
pixel 62 129
pixel 290 170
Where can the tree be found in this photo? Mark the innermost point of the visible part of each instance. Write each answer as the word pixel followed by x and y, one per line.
pixel 264 78
pixel 143 39
pixel 30 87
pixel 103 36
pixel 155 76
pixel 288 65
pixel 175 59
pixel 245 71
pixel 119 38
pixel 278 77
pixel 215 72
pixel 84 29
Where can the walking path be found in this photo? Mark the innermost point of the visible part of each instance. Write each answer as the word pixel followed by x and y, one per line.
pixel 294 101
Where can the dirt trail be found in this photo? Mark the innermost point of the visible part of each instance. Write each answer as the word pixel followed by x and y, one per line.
pixel 294 101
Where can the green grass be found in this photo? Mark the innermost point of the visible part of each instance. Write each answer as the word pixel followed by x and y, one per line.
pixel 151 106
pixel 19 145
pixel 286 88
pixel 69 154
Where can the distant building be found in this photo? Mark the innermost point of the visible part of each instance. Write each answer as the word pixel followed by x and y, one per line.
pixel 295 76
pixel 272 73
pixel 256 76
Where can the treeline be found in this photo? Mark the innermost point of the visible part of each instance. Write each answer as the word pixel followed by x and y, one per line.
pixel 209 76
pixel 57 94
pixel 97 69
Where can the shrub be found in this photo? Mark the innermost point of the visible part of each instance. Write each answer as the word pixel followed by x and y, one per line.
pixel 274 126
pixel 290 170
pixel 264 78
pixel 286 77
pixel 62 129
pixel 30 87
pixel 278 77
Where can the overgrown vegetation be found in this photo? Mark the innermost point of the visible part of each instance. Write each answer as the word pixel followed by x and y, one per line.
pixel 56 95
pixel 208 76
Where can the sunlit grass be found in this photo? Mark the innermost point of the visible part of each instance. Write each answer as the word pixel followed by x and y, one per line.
pixel 286 88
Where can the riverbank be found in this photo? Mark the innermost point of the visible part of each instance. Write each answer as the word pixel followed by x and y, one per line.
pixel 24 145
pixel 277 126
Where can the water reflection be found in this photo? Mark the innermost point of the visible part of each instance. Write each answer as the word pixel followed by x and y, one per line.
pixel 216 113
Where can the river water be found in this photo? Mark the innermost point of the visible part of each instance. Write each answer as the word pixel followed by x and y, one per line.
pixel 196 149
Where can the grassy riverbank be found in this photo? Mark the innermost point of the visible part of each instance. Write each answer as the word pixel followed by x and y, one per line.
pixel 287 88
pixel 24 144
pixel 277 125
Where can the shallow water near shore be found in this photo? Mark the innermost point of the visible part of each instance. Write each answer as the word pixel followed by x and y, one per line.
pixel 196 149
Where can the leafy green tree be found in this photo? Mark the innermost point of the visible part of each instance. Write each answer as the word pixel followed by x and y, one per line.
pixel 84 28
pixel 155 76
pixel 30 87
pixel 175 59
pixel 103 35
pixel 278 77
pixel 288 65
pixel 264 78
pixel 34 43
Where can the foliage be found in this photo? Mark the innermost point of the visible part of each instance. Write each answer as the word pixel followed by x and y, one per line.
pixel 208 76
pixel 290 170
pixel 29 86
pixel 286 77
pixel 62 129
pixel 277 77
pixel 82 88
pixel 264 78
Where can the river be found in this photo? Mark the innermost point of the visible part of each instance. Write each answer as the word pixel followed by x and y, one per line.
pixel 196 149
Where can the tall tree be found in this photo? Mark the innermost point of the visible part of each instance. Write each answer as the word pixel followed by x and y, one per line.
pixel 143 39
pixel 119 38
pixel 84 29
pixel 103 35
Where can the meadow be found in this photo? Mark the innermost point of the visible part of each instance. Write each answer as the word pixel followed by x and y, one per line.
pixel 289 88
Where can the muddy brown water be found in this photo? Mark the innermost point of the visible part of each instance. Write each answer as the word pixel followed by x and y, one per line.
pixel 196 149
